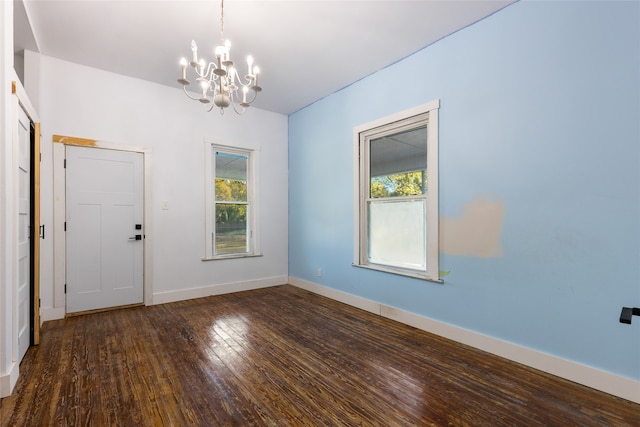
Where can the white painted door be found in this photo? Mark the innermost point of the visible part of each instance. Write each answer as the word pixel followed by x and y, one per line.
pixel 24 233
pixel 104 197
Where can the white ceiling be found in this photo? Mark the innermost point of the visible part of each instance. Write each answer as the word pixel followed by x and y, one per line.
pixel 306 49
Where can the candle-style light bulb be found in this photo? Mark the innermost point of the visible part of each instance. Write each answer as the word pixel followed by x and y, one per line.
pixel 205 86
pixel 219 54
pixel 226 54
pixel 227 50
pixel 245 89
pixel 219 70
pixel 250 64
pixel 194 50
pixel 256 87
pixel 183 80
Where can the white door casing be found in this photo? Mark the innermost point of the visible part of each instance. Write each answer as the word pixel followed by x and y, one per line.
pixel 104 203
pixel 24 233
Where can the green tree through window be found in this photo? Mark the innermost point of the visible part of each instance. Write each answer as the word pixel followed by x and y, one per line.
pixel 231 204
pixel 403 184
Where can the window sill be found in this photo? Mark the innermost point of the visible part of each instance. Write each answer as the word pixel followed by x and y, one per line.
pixel 406 273
pixel 232 256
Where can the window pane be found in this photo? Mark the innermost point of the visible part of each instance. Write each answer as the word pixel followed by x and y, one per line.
pixel 397 233
pixel 231 177
pixel 231 229
pixel 398 164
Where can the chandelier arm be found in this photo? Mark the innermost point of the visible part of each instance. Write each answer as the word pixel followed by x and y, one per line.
pixel 233 104
pixel 211 108
pixel 184 88
pixel 244 81
pixel 253 97
pixel 210 74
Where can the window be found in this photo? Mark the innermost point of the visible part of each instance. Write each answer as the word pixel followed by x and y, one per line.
pixel 230 224
pixel 397 187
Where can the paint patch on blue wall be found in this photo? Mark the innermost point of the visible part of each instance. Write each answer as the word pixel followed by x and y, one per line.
pixel 476 231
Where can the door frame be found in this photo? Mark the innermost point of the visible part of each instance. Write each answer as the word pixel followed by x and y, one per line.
pixel 22 102
pixel 60 212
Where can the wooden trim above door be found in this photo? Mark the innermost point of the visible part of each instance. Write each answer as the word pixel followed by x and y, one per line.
pixel 72 140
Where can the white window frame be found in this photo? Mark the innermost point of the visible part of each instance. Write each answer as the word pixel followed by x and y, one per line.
pixel 252 200
pixel 361 136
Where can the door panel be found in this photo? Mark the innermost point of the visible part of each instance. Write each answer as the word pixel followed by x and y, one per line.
pixel 104 204
pixel 24 231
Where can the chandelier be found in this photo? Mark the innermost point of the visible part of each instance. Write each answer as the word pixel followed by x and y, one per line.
pixel 219 80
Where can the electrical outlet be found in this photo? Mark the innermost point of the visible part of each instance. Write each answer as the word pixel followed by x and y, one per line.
pixel 319 272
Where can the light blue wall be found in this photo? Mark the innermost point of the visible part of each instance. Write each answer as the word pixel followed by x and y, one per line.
pixel 540 109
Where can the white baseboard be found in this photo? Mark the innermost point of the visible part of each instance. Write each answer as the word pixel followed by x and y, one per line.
pixel 607 382
pixel 9 380
pixel 51 313
pixel 55 313
pixel 225 288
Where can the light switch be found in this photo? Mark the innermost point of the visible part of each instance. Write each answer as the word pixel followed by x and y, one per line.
pixel 165 205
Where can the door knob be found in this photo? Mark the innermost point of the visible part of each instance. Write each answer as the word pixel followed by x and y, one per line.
pixel 136 237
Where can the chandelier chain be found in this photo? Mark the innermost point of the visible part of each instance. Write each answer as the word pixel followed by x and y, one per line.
pixel 222 22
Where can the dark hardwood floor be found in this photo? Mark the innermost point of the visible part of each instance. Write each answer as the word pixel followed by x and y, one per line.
pixel 281 357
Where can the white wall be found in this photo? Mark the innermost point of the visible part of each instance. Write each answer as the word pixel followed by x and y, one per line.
pixel 84 102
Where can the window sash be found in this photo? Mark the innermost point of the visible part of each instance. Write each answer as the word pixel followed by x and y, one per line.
pixel 226 240
pixel 238 239
pixel 397 242
pixel 371 238
pixel 428 267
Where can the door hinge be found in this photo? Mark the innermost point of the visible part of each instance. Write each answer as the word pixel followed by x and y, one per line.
pixel 40 157
pixel 65 163
pixel 39 302
pixel 65 288
pixel 65 226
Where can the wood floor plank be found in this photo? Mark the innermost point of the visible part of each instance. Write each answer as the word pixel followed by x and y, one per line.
pixel 281 356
